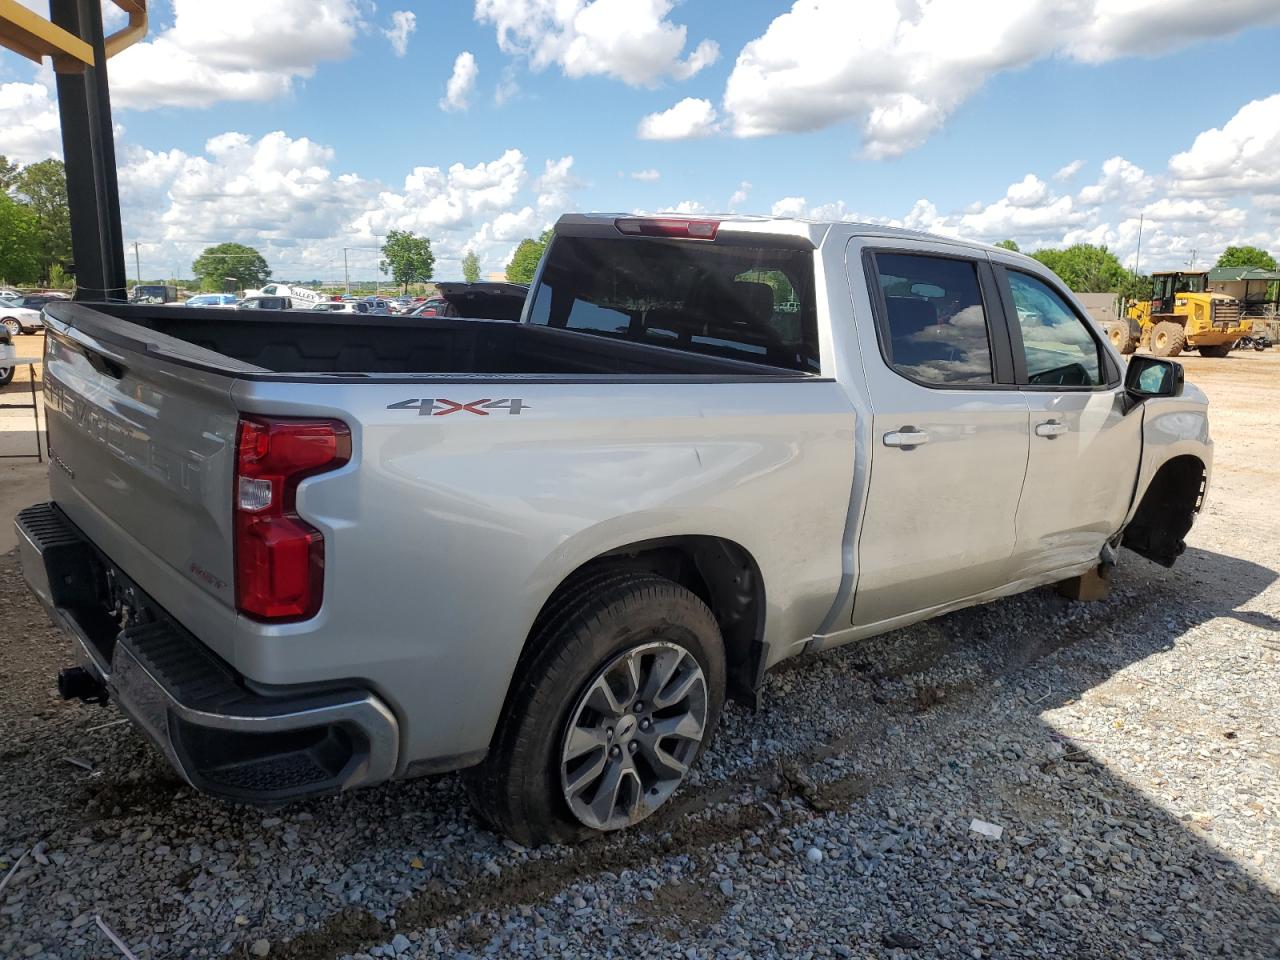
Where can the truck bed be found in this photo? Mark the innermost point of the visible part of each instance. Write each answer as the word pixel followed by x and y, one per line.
pixel 300 342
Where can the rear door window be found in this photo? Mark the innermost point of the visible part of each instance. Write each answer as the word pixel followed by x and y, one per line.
pixel 743 302
pixel 934 322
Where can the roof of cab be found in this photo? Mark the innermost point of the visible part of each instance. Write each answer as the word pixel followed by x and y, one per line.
pixel 816 231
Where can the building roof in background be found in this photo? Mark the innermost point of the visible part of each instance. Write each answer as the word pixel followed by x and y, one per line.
pixel 1229 274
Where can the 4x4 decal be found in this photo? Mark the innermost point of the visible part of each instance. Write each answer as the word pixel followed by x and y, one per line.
pixel 440 407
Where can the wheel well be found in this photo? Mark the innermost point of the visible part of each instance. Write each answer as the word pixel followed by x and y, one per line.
pixel 722 574
pixel 1168 508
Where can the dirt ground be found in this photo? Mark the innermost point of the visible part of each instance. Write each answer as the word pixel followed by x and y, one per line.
pixel 1165 696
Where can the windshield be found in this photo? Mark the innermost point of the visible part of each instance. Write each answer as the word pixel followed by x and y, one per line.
pixel 753 303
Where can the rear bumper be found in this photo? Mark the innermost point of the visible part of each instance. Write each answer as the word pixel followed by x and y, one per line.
pixel 222 736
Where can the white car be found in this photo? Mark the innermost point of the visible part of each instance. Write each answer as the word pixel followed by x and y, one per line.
pixel 16 318
pixel 343 306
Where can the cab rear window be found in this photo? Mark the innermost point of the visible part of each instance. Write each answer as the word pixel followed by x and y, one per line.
pixel 752 303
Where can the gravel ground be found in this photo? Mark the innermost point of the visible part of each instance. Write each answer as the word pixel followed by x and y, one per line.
pixel 1126 754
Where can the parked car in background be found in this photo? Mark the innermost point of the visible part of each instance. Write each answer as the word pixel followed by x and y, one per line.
pixel 379 307
pixel 8 293
pixel 6 347
pixel 343 306
pixel 154 293
pixel 37 301
pixel 483 300
pixel 21 315
pixel 212 300
pixel 266 303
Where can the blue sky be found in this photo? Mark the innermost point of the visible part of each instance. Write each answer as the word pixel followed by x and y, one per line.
pixel 331 121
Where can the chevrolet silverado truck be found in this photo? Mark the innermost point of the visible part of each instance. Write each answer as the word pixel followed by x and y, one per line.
pixel 308 553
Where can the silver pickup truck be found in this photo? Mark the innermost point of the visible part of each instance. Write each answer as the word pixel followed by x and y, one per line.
pixel 307 553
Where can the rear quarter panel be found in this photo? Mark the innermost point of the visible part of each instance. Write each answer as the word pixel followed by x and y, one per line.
pixel 446 533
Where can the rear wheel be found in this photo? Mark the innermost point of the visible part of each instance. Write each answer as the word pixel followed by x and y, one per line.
pixel 1221 350
pixel 613 703
pixel 6 376
pixel 1168 339
pixel 1118 334
pixel 12 325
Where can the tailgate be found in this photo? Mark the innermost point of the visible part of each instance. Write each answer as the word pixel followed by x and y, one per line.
pixel 141 452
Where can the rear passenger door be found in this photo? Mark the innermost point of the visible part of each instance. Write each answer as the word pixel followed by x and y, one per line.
pixel 950 434
pixel 1086 442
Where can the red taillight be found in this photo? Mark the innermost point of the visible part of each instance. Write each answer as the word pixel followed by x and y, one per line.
pixel 681 229
pixel 279 556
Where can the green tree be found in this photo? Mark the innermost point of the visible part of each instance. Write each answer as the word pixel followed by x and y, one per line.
pixel 1135 287
pixel 19 242
pixel 8 174
pixel 470 267
pixel 408 258
pixel 1009 245
pixel 43 187
pixel 1246 257
pixel 1085 268
pixel 524 262
pixel 245 264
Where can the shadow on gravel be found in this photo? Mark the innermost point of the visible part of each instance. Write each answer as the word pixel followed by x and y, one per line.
pixel 1082 862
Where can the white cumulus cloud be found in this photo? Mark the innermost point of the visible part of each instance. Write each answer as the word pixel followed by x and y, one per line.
pixel 403 23
pixel 457 93
pixel 1069 170
pixel 629 40
pixel 789 207
pixel 29 118
pixel 222 51
pixel 899 68
pixel 689 118
pixel 1120 180
pixel 1243 155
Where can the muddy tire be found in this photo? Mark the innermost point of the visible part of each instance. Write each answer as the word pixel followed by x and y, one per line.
pixel 1221 350
pixel 578 751
pixel 1168 339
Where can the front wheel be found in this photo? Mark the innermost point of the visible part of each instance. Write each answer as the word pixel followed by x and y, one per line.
pixel 1220 350
pixel 1168 339
pixel 6 376
pixel 12 325
pixel 613 703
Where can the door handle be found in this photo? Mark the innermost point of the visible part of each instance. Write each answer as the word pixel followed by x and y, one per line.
pixel 907 438
pixel 1050 429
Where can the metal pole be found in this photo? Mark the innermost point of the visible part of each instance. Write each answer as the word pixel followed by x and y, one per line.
pixel 137 263
pixel 377 264
pixel 88 148
pixel 346 271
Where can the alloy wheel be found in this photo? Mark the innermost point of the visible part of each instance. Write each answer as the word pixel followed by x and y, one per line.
pixel 633 734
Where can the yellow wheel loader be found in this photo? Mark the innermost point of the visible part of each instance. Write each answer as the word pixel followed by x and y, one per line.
pixel 1182 315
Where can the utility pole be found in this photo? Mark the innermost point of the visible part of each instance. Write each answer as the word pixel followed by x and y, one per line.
pixel 346 270
pixel 137 263
pixel 1137 258
pixel 1192 262
pixel 377 266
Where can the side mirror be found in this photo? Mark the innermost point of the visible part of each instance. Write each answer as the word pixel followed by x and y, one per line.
pixel 1153 377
